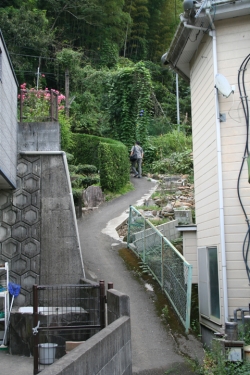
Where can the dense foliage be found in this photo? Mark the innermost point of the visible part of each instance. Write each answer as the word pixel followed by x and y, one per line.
pixel 110 53
pixel 103 57
pixel 110 157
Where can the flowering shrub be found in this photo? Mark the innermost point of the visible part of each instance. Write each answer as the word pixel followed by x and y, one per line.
pixel 40 105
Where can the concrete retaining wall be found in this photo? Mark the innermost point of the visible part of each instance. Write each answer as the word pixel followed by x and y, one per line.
pixel 38 230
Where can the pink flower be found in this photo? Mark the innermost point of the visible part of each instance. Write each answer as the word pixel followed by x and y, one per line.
pixel 43 75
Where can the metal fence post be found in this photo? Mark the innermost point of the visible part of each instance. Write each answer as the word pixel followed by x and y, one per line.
pixel 144 241
pixel 35 322
pixel 21 105
pixel 162 263
pixel 102 303
pixel 129 223
pixel 110 285
pixel 189 293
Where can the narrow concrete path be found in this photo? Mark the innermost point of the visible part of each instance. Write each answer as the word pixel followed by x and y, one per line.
pixel 154 349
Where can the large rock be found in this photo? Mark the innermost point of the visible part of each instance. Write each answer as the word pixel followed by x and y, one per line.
pixel 93 196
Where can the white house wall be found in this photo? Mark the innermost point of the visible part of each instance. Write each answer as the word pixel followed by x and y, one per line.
pixel 8 118
pixel 205 153
pixel 233 45
pixel 189 252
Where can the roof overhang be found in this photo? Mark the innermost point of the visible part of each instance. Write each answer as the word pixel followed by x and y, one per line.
pixel 8 57
pixel 195 23
pixel 5 183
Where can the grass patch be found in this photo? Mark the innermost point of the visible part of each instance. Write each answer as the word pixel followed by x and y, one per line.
pixel 158 221
pixel 148 208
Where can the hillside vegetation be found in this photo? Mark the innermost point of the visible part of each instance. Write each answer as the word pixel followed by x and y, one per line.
pixel 103 57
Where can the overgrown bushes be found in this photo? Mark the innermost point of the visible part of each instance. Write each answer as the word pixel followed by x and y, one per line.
pixel 109 156
pixel 114 166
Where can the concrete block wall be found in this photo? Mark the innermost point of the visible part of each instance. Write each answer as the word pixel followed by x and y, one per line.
pixel 117 305
pixel 107 352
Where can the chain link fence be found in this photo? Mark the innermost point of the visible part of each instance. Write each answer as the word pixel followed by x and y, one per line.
pixel 169 267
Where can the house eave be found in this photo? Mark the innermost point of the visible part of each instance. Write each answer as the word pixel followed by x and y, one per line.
pixel 5 182
pixel 187 40
pixel 8 57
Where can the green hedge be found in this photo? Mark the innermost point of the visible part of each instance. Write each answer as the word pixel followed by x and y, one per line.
pixel 109 156
pixel 114 166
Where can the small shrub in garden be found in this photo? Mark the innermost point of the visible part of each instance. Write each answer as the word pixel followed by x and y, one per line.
pixel 86 169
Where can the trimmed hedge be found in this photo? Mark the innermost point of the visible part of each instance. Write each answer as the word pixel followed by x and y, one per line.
pixel 109 156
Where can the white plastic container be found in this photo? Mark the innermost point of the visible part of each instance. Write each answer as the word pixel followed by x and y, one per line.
pixel 47 352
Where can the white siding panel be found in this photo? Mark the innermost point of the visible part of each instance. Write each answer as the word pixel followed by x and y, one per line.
pixel 233 43
pixel 190 254
pixel 8 119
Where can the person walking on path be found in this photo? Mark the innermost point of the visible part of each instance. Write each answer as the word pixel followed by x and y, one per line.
pixel 138 151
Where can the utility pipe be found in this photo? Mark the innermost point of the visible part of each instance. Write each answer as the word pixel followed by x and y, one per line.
pixel 212 33
pixel 70 190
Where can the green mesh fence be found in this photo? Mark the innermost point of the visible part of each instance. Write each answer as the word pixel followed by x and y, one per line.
pixel 164 261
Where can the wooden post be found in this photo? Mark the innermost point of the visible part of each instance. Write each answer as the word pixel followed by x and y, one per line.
pixel 67 92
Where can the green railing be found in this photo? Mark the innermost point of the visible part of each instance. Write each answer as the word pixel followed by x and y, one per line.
pixel 167 265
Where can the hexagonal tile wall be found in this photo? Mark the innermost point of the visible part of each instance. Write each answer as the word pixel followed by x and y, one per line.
pixel 11 215
pixel 30 215
pixel 20 231
pixel 11 248
pixel 5 199
pixel 24 167
pixel 35 199
pixel 31 183
pixel 20 264
pixel 21 199
pixel 30 247
pixel 5 232
pixel 28 280
pixel 35 231
pixel 35 264
pixel 36 167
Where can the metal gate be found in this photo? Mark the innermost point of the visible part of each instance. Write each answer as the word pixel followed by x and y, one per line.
pixel 64 314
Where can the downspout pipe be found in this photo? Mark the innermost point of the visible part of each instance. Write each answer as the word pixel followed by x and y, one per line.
pixel 65 162
pixel 212 33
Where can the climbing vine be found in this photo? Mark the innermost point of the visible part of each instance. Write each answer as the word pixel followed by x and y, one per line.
pixel 129 103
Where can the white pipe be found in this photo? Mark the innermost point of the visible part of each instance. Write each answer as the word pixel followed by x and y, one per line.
pixel 219 162
pixel 70 191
